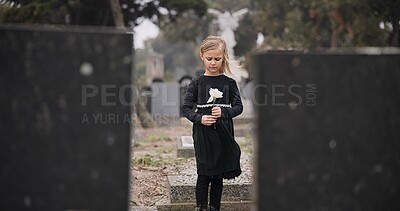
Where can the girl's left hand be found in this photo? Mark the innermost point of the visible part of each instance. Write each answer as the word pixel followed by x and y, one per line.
pixel 216 111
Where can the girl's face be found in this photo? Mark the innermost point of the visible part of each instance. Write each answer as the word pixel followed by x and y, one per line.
pixel 212 60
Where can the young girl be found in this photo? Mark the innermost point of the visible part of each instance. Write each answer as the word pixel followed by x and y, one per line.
pixel 217 153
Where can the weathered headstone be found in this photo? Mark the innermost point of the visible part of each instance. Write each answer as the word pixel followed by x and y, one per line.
pixel 328 130
pixel 65 122
pixel 185 146
pixel 165 103
pixel 183 84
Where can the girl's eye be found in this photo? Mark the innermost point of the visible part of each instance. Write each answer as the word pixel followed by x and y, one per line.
pixel 216 59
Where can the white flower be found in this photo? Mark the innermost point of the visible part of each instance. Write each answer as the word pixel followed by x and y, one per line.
pixel 214 94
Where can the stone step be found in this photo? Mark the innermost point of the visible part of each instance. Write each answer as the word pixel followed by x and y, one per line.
pixel 182 188
pixel 243 120
pixel 225 205
pixel 185 147
pixel 143 208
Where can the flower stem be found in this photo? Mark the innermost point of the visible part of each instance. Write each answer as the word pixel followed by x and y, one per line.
pixel 213 107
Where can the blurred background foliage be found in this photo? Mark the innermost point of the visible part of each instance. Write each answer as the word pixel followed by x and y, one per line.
pixel 96 12
pixel 284 24
pixel 329 23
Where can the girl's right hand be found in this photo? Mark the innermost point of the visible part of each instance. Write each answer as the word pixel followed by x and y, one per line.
pixel 208 120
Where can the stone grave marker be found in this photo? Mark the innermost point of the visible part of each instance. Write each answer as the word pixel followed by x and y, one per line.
pixel 328 130
pixel 185 146
pixel 65 122
pixel 165 101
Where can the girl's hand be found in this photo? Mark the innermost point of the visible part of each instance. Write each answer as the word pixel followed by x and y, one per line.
pixel 208 120
pixel 216 111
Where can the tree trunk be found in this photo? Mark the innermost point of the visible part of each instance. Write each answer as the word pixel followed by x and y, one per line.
pixel 335 36
pixel 338 19
pixel 394 36
pixel 117 13
pixel 146 120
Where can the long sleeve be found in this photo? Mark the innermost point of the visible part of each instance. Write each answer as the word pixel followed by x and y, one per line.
pixel 190 99
pixel 235 100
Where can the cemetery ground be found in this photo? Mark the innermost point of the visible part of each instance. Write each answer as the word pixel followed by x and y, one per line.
pixel 154 157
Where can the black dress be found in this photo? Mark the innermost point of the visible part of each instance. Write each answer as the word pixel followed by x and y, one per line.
pixel 217 153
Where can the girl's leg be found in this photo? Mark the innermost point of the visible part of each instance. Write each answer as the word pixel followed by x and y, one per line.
pixel 202 191
pixel 216 193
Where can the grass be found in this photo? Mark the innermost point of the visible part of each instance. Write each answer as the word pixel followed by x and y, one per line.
pixel 151 161
pixel 165 150
pixel 153 138
pixel 136 144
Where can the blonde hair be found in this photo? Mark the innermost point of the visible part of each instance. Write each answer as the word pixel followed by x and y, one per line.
pixel 216 42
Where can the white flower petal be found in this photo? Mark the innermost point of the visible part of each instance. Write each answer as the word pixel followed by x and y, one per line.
pixel 215 93
pixel 211 92
pixel 210 99
pixel 218 94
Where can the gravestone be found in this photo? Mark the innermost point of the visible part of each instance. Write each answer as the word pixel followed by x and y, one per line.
pixel 165 100
pixel 145 93
pixel 328 130
pixel 65 122
pixel 183 84
pixel 185 146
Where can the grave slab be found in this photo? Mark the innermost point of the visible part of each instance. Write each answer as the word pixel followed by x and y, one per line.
pixel 185 146
pixel 182 188
pixel 225 205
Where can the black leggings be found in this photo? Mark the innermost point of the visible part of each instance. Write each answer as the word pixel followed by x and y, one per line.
pixel 202 191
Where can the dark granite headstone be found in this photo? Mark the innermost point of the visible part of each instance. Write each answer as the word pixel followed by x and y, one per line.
pixel 65 118
pixel 328 126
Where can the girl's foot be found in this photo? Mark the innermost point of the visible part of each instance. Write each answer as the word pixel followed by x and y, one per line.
pixel 201 208
pixel 213 208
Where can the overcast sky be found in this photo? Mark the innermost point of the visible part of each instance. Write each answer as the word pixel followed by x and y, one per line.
pixel 148 30
pixel 144 31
